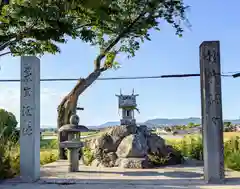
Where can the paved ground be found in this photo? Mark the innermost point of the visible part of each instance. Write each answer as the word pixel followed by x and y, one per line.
pixel 56 176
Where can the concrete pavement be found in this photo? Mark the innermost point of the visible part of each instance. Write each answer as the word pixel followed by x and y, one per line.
pixel 55 176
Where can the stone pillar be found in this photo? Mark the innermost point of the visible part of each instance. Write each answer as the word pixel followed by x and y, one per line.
pixel 212 122
pixel 30 119
pixel 73 159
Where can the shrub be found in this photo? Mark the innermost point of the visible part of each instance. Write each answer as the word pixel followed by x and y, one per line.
pixel 232 153
pixel 157 160
pixel 10 157
pixel 195 148
pixel 48 156
pixel 8 123
pixel 233 161
pixel 88 156
pixel 192 147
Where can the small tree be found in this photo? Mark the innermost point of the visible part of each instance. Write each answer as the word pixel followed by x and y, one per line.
pixel 227 124
pixel 8 123
pixel 190 125
pixel 167 129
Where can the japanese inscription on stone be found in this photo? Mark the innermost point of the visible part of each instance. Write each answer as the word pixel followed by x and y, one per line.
pixel 210 55
pixel 26 109
pixel 30 119
pixel 212 110
pixel 213 78
pixel 27 130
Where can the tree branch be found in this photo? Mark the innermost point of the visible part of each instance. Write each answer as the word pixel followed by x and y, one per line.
pixel 118 38
pixel 7 43
pixel 111 45
pixel 9 52
pixel 16 37
pixel 103 69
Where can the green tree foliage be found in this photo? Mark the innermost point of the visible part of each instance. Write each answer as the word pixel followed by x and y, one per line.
pixel 167 129
pixel 190 125
pixel 35 27
pixel 228 127
pixel 38 26
pixel 8 123
pixel 227 124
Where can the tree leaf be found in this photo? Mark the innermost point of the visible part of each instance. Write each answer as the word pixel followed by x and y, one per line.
pixel 39 26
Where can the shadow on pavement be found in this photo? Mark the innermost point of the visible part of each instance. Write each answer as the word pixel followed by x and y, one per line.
pixel 173 174
pixel 176 183
pixel 180 183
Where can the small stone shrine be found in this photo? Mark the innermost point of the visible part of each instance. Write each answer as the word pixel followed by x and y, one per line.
pixel 128 145
pixel 128 104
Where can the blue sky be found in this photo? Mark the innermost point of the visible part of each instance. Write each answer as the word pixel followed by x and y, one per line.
pixel 165 54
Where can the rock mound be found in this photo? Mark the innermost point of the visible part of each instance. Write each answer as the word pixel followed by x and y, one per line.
pixel 130 146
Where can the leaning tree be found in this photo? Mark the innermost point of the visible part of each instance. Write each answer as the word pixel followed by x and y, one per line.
pixel 128 25
pixel 115 26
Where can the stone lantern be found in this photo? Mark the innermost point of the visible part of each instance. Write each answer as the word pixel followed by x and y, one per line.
pixel 73 144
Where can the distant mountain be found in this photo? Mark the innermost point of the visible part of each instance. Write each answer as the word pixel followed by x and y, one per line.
pixel 165 121
pixel 108 124
pixel 157 122
pixel 161 122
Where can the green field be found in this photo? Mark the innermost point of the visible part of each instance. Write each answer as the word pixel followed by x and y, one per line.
pixel 48 134
pixel 226 136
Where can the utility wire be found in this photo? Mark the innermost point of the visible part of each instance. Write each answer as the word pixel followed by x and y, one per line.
pixel 128 78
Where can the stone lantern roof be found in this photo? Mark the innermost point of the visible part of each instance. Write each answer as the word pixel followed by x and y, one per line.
pixel 73 127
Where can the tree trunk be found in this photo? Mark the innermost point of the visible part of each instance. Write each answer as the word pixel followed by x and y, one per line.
pixel 69 104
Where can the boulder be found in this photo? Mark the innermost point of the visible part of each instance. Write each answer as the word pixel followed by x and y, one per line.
pixel 111 138
pixel 132 163
pixel 119 132
pixel 105 142
pixel 109 159
pixel 96 163
pixel 175 157
pixel 156 144
pixel 133 146
pixel 90 143
pixel 143 129
pixel 105 160
pixel 129 146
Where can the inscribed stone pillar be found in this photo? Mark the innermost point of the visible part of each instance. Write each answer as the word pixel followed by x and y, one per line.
pixel 30 119
pixel 212 122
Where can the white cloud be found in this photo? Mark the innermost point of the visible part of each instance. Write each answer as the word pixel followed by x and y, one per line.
pixel 50 98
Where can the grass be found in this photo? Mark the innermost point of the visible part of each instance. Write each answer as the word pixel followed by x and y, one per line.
pixel 89 133
pixel 191 146
pixel 226 135
pixel 49 133
pixel 88 156
pixel 229 135
pixel 48 156
pixel 53 134
pixel 48 144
